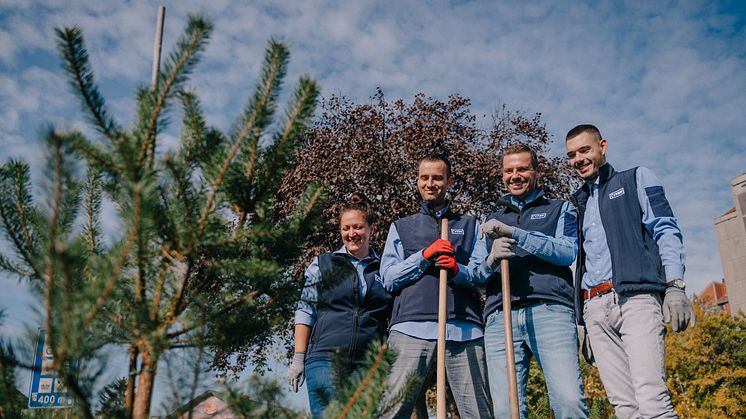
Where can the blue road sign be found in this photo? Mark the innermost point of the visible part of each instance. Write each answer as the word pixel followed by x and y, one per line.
pixel 47 390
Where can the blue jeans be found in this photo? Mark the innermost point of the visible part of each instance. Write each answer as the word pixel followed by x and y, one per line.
pixel 465 371
pixel 320 384
pixel 627 336
pixel 548 332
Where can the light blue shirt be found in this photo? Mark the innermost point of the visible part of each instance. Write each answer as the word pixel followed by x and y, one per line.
pixel 306 308
pixel 664 230
pixel 399 272
pixel 559 249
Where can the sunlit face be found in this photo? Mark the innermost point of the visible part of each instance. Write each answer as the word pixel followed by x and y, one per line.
pixel 519 176
pixel 355 232
pixel 433 182
pixel 587 154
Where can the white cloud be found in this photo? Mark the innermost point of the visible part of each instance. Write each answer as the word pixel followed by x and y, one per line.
pixel 663 82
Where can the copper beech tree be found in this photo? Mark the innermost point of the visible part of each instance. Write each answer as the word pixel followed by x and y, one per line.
pixel 374 148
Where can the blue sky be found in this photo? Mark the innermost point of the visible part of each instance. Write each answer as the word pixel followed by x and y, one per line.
pixel 663 80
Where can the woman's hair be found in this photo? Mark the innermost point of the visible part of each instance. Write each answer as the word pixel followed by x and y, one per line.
pixel 358 202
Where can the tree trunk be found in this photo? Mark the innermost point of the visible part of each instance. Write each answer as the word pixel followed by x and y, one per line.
pixel 129 395
pixel 144 394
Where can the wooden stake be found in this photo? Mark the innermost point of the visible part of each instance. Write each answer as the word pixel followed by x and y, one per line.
pixel 134 352
pixel 157 46
pixel 509 350
pixel 440 385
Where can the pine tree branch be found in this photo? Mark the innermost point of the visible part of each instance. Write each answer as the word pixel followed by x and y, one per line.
pixel 160 282
pixel 194 147
pixel 92 209
pixel 200 353
pixel 8 266
pixel 256 116
pixel 14 177
pixel 300 109
pixel 113 278
pixel 366 381
pixel 94 154
pixel 52 251
pixel 309 203
pixel 188 48
pixel 252 154
pixel 74 387
pixel 21 194
pixel 67 302
pixel 76 63
pixel 176 303
pixel 140 244
pixel 117 321
pixel 226 308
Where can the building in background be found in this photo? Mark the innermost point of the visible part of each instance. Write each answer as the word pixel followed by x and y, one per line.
pixel 714 297
pixel 730 233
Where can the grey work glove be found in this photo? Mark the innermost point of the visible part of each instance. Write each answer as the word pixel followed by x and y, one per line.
pixel 585 345
pixel 296 372
pixel 494 229
pixel 677 309
pixel 501 249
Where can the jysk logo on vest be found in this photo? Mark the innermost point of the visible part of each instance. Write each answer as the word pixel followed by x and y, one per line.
pixel 459 231
pixel 617 193
pixel 538 216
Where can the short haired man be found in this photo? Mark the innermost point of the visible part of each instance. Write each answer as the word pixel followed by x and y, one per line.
pixel 543 233
pixel 410 266
pixel 631 255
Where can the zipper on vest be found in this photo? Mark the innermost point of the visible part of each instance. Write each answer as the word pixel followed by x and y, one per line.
pixel 355 315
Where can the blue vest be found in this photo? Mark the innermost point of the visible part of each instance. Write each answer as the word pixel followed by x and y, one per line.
pixel 531 278
pixel 344 323
pixel 419 301
pixel 635 260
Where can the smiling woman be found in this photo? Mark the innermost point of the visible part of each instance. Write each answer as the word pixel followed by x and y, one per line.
pixel 343 308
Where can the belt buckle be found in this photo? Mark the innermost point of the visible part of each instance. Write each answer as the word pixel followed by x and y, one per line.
pixel 595 291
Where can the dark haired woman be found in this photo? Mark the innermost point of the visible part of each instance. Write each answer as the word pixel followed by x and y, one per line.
pixel 343 308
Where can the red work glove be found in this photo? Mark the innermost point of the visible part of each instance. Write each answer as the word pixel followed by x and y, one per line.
pixel 448 262
pixel 438 247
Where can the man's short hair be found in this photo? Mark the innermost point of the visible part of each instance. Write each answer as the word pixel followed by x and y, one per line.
pixel 591 129
pixel 517 148
pixel 432 157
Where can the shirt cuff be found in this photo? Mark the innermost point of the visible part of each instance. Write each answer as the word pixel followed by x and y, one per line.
pixel 301 317
pixel 519 236
pixel 421 261
pixel 462 277
pixel 674 271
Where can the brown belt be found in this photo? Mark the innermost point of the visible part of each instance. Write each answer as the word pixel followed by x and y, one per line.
pixel 599 289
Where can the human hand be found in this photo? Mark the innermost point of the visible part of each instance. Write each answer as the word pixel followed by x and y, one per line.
pixel 439 247
pixel 296 372
pixel 494 229
pixel 447 262
pixel 501 249
pixel 677 309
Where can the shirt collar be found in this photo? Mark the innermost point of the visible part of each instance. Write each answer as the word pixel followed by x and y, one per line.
pixel 343 251
pixel 530 198
pixel 428 209
pixel 443 210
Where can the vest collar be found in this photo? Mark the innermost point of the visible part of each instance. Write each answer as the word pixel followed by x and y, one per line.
pixel 605 173
pixel 343 251
pixel 507 203
pixel 426 208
